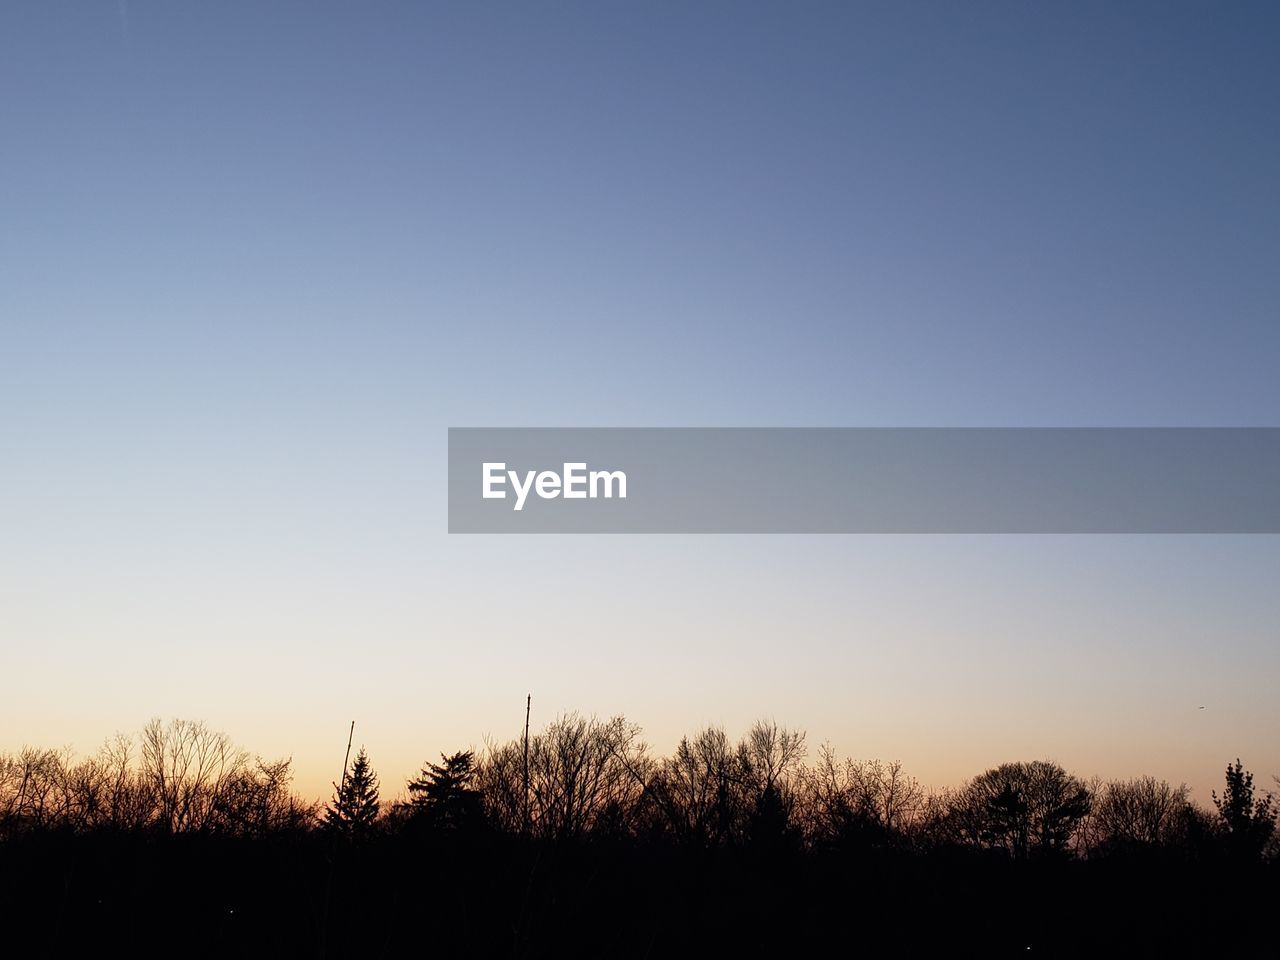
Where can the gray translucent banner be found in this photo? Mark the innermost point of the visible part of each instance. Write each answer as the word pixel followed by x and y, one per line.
pixel 856 480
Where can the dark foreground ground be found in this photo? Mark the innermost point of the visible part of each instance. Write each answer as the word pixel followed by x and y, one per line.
pixel 503 896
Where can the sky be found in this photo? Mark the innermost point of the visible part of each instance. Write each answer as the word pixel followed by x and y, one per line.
pixel 256 258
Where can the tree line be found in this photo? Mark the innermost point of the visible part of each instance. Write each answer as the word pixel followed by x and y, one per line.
pixel 588 780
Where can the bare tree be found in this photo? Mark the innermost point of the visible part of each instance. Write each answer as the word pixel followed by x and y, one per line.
pixel 257 801
pixel 711 793
pixel 770 761
pixel 578 769
pixel 500 780
pixel 697 789
pixel 1141 813
pixel 187 767
pixel 33 789
pixel 583 774
pixel 867 802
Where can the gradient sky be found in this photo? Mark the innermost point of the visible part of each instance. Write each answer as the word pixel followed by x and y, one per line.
pixel 256 258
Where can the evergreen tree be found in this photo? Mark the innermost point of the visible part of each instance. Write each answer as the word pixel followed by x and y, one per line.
pixel 353 812
pixel 444 796
pixel 1248 822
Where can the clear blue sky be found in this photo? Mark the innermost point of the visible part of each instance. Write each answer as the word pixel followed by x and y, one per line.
pixel 256 257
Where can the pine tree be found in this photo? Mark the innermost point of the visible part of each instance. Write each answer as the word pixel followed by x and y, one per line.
pixel 443 796
pixel 353 813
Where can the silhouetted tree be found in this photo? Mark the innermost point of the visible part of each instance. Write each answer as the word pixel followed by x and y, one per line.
pixel 858 803
pixel 1248 821
pixel 1026 809
pixel 257 802
pixel 1143 814
pixel 33 792
pixel 696 790
pixel 444 796
pixel 187 767
pixel 578 769
pixel 700 845
pixel 712 794
pixel 769 763
pixel 353 813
